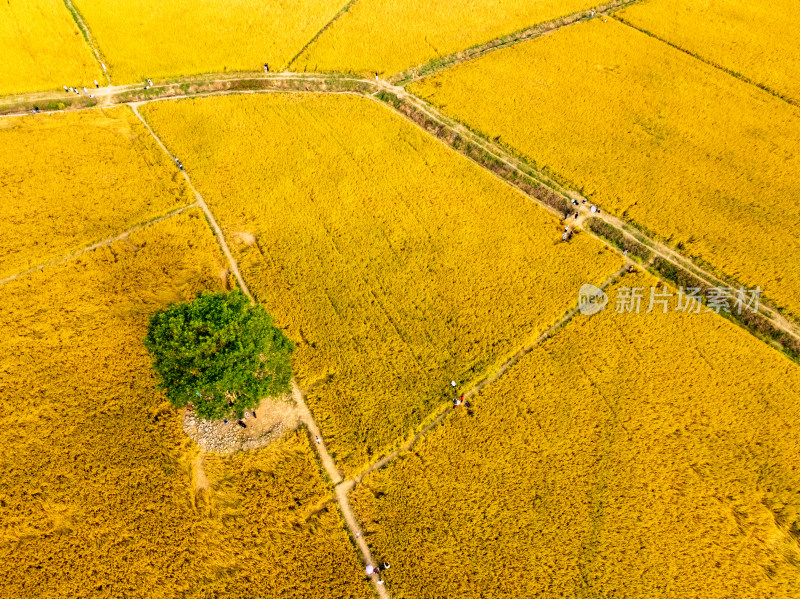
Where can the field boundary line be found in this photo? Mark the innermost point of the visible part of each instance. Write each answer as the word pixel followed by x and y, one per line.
pixel 99 244
pixel 437 65
pixel 305 413
pixel 55 101
pixel 521 167
pixel 743 78
pixel 345 487
pixel 342 11
pixel 485 381
pixel 87 34
pixel 517 171
pixel 460 130
pixel 203 206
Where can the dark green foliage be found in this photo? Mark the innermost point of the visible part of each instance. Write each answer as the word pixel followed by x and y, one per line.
pixel 675 274
pixel 618 239
pixel 220 352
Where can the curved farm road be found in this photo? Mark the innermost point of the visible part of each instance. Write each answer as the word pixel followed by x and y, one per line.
pixel 225 84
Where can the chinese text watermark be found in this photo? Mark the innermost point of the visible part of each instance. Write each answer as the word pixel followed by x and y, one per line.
pixel 690 300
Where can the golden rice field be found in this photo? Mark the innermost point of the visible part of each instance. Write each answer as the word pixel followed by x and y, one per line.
pixel 98 496
pixel 636 455
pixel 394 263
pixel 162 38
pixel 754 39
pixel 71 179
pixel 388 37
pixel 681 149
pixel 42 48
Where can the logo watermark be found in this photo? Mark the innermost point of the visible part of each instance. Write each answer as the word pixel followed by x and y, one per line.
pixel 690 300
pixel 591 299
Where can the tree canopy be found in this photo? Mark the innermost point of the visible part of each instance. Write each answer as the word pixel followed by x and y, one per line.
pixel 219 352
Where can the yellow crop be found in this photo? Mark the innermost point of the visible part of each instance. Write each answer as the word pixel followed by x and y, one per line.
pixel 74 178
pixel 394 263
pixel 99 495
pixel 683 149
pixel 388 37
pixel 277 528
pixel 630 455
pixel 42 48
pixel 160 38
pixel 756 39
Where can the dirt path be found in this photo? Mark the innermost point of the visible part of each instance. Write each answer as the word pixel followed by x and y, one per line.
pixel 342 488
pixel 99 244
pixel 200 479
pixel 505 157
pixel 485 382
pixel 319 443
pixel 219 84
pixel 305 414
pixel 440 64
pixel 203 206
pixel 342 496
pixel 89 37
pixel 327 26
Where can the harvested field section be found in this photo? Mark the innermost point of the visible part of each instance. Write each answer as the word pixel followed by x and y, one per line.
pixel 647 455
pixel 72 179
pixel 680 148
pixel 394 263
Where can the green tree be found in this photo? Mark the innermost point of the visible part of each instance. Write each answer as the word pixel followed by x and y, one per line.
pixel 219 352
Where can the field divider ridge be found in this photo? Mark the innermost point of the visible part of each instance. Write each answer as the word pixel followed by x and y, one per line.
pixel 99 244
pixel 769 325
pixel 442 63
pixel 781 332
pixel 306 416
pixel 342 11
pixel 621 19
pixel 487 379
pixel 90 39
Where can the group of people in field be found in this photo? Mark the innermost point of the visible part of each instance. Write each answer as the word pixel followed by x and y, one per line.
pixel 375 569
pixel 77 90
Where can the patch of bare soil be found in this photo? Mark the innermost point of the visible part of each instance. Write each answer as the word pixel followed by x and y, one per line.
pixel 200 480
pixel 267 423
pixel 245 238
